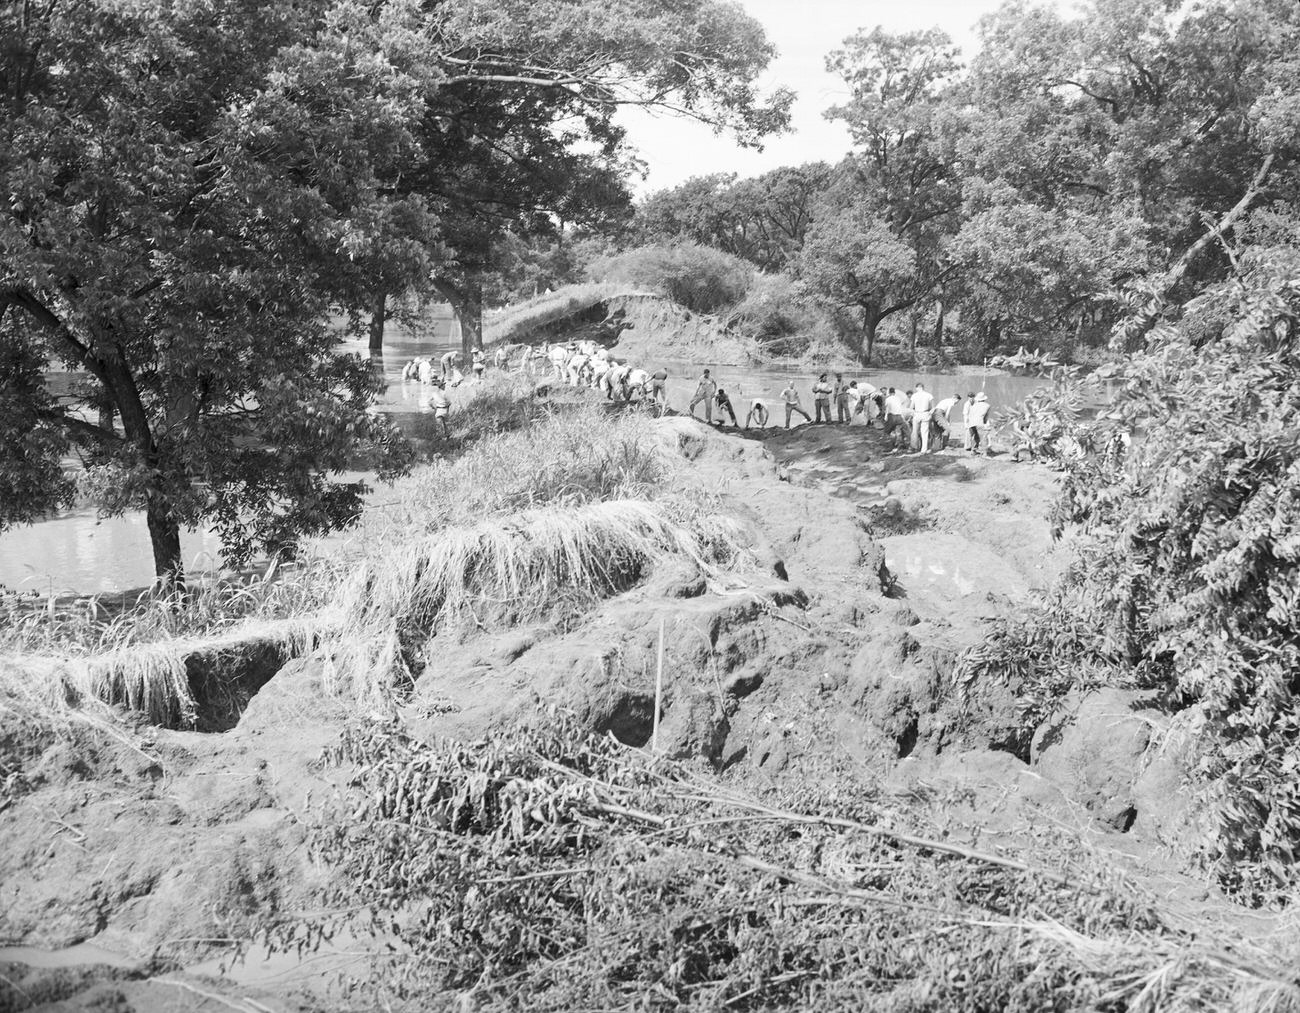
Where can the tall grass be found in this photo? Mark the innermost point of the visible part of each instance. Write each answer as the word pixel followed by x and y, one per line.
pixel 506 571
pixel 565 507
pixel 576 455
pixel 149 678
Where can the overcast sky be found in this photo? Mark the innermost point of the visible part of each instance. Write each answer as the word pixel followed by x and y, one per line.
pixel 804 31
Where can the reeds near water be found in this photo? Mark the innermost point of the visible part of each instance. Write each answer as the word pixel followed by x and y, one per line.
pixel 151 678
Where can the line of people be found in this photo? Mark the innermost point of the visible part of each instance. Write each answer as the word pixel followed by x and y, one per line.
pixel 447 372
pixel 588 364
pixel 912 417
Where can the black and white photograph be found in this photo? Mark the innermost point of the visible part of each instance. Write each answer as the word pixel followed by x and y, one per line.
pixel 637 506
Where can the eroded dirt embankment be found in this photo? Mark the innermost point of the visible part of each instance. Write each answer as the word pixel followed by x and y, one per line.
pixel 832 656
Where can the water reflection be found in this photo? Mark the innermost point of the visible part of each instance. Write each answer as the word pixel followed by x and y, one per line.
pixel 77 551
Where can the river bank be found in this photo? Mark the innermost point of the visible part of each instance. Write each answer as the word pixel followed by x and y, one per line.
pixel 79 552
pixel 810 594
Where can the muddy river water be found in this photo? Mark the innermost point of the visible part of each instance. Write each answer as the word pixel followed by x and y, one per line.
pixel 78 551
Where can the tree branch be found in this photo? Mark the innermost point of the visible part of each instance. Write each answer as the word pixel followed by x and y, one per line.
pixel 81 427
pixel 1132 330
pixel 49 320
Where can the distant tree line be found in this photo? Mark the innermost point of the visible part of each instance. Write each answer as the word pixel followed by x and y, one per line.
pixel 1026 193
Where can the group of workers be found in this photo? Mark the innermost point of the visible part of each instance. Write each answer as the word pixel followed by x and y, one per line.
pixel 910 418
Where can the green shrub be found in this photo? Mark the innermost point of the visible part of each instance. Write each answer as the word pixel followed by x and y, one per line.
pixel 782 317
pixel 700 278
pixel 1188 551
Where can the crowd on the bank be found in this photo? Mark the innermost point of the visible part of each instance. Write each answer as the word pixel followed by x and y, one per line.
pixel 912 419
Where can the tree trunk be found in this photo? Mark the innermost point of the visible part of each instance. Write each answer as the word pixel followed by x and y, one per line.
pixel 378 316
pixel 870 322
pixel 466 302
pixel 165 536
pixel 164 529
pixel 123 397
pixel 913 323
pixel 469 311
pixel 1130 334
pixel 938 324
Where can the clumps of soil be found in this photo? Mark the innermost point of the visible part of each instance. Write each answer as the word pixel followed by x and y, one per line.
pixel 894 517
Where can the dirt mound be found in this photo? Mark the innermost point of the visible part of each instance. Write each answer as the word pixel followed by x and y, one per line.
pixel 639 326
pixel 833 650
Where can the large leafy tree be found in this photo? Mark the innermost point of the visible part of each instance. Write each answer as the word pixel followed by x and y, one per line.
pixel 877 237
pixel 522 135
pixel 188 187
pixel 1134 127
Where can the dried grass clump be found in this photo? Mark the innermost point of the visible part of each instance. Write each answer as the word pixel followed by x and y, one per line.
pixel 575 456
pixel 210 607
pixel 515 569
pixel 149 678
pixel 595 549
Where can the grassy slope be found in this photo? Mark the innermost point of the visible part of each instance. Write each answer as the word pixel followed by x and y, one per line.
pixel 434 542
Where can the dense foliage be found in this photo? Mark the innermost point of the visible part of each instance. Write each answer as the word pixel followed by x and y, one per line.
pixel 193 191
pixel 762 220
pixel 1010 198
pixel 698 277
pixel 1186 576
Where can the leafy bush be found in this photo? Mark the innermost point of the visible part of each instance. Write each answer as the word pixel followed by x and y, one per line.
pixel 1188 550
pixel 700 278
pixel 781 316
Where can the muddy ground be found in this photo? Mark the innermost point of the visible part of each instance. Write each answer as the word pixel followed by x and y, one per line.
pixel 132 864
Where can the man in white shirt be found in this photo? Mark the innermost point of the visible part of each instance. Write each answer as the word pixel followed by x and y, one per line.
pixel 704 392
pixel 860 400
pixel 977 425
pixel 896 409
pixel 791 398
pixel 965 420
pixel 614 381
pixel 942 420
pixel 922 412
pixel 635 384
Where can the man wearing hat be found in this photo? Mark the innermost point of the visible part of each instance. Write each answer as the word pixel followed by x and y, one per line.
pixel 977 424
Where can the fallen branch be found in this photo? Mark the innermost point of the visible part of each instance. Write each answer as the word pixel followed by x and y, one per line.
pixel 1131 330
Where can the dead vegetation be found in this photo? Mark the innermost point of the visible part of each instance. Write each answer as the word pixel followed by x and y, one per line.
pixel 550 870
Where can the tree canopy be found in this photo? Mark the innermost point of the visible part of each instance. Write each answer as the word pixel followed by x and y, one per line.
pixel 193 190
pixel 1075 163
pixel 764 219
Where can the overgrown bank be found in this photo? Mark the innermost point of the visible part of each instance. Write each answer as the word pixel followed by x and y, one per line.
pixel 434 774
